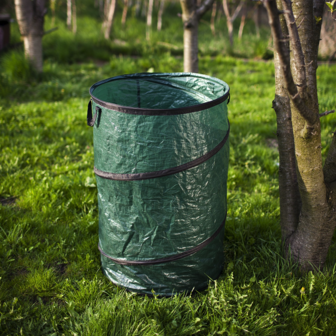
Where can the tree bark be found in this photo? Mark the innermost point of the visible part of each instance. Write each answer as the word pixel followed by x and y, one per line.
pixel 53 11
pixel 213 18
pixel 309 242
pixel 328 34
pixel 149 19
pixel 161 8
pixel 191 15
pixel 69 13
pixel 290 200
pixel 74 17
pixel 242 23
pixel 30 18
pixel 110 18
pixel 256 20
pixel 124 13
pixel 230 19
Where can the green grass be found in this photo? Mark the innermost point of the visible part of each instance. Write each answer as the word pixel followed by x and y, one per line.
pixel 50 277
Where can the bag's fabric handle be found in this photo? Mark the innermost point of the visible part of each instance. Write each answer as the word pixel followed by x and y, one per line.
pixel 91 121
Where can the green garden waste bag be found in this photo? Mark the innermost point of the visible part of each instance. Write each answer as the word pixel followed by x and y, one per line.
pixel 161 153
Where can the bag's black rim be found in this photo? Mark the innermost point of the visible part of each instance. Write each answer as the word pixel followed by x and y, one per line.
pixel 167 259
pixel 164 172
pixel 157 112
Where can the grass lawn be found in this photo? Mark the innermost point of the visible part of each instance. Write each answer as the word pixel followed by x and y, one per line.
pixel 50 277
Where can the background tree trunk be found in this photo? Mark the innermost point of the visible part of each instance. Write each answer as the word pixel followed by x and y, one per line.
pixel 242 23
pixel 161 8
pixel 149 19
pixel 230 19
pixel 74 17
pixel 69 13
pixel 213 18
pixel 53 11
pixel 30 18
pixel 124 13
pixel 110 17
pixel 191 15
pixel 328 34
pixel 256 20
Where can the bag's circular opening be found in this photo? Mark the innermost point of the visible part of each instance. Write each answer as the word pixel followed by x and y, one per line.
pixel 150 93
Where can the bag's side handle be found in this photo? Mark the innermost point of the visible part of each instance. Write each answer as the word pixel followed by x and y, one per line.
pixel 91 121
pixel 228 101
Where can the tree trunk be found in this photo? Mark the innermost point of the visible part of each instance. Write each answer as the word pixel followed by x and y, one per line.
pixel 69 13
pixel 74 17
pixel 290 200
pixel 159 22
pixel 307 240
pixel 242 24
pixel 110 18
pixel 124 13
pixel 190 52
pixel 328 34
pixel 149 19
pixel 230 19
pixel 53 11
pixel 30 18
pixel 190 36
pixel 256 20
pixel 105 14
pixel 213 17
pixel 191 15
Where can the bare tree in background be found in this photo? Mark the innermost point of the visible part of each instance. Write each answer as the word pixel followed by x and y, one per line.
pixel 53 11
pixel 213 17
pixel 74 17
pixel 230 18
pixel 149 19
pixel 69 13
pixel 328 35
pixel 30 17
pixel 160 12
pixel 124 13
pixel 307 188
pixel 191 15
pixel 242 22
pixel 256 19
pixel 107 25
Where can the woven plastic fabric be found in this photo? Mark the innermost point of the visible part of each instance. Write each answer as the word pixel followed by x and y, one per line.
pixel 161 228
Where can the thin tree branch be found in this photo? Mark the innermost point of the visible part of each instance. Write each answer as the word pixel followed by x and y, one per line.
pixel 298 56
pixel 50 31
pixel 226 10
pixel 205 6
pixel 237 11
pixel 284 59
pixel 326 113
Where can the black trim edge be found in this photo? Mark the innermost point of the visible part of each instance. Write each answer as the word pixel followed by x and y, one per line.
pixel 159 112
pixel 168 259
pixel 164 172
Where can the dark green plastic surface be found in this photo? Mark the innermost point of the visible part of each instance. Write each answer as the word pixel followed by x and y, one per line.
pixel 149 219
